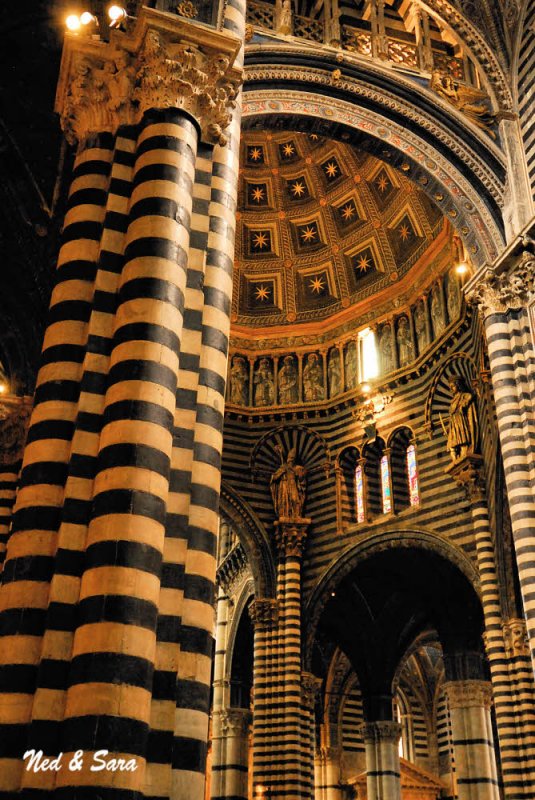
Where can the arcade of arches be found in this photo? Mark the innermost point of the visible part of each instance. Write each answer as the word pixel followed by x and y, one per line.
pixel 267 395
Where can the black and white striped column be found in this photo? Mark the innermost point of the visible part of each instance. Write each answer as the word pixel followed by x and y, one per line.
pixel 381 740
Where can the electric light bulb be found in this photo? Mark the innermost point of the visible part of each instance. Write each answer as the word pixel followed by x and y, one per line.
pixel 365 387
pixel 73 23
pixel 87 18
pixel 461 269
pixel 116 13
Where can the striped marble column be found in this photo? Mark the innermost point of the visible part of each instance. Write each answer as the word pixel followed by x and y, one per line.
pixel 230 738
pixel 503 293
pixel 24 594
pixel 469 702
pixel 513 709
pixel 264 616
pixel 381 740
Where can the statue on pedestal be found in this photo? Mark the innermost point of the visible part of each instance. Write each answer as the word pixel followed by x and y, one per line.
pixel 463 426
pixel 288 486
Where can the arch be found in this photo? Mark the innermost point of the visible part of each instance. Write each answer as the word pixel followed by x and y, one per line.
pixel 452 365
pixel 369 546
pixel 419 147
pixel 254 539
pixel 346 464
pixel 246 594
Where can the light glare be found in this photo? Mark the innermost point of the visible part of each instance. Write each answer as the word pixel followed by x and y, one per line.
pixel 461 269
pixel 86 18
pixel 73 22
pixel 116 13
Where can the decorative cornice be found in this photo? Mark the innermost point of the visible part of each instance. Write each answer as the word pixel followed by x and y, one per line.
pixel 290 536
pixel 468 694
pixel 516 638
pixel 166 62
pixel 264 613
pixel 14 419
pixel 495 291
pixel 382 731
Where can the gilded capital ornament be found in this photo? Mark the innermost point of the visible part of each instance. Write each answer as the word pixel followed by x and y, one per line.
pixel 264 612
pixel 468 694
pixel 512 288
pixel 165 62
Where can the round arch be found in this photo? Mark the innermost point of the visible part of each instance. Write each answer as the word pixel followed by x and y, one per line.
pixel 467 191
pixel 254 540
pixel 370 546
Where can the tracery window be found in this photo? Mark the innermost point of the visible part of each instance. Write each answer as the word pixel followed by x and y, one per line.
pixel 386 489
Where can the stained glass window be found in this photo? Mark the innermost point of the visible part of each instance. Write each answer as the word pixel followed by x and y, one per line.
pixel 359 493
pixel 385 485
pixel 412 472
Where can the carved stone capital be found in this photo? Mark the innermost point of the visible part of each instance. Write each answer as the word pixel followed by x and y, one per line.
pixel 310 686
pixel 382 731
pixel 264 612
pixel 495 291
pixel 468 694
pixel 516 638
pixel 290 536
pixel 166 62
pixel 328 754
pixel 469 475
pixel 233 721
pixel 14 420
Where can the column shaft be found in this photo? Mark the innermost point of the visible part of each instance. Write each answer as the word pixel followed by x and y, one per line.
pixel 381 741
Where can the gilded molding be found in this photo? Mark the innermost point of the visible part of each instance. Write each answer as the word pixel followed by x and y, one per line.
pixel 165 62
pixel 468 694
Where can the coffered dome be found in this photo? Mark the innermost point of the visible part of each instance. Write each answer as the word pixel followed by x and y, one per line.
pixel 323 227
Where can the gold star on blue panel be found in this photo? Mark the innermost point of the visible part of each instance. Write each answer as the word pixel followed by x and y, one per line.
pixel 260 241
pixel 298 189
pixel 288 151
pixel 257 194
pixel 308 234
pixel 331 170
pixel 347 213
pixel 260 294
pixel 255 154
pixel 363 265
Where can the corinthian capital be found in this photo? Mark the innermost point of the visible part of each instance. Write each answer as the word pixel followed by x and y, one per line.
pixel 165 62
pixel 468 694
pixel 496 289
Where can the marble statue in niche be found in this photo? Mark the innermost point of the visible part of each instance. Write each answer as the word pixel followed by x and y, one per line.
pixel 313 388
pixel 405 345
pixel 350 364
pixel 239 380
pixel 421 327
pixel 437 312
pixel 333 372
pixel 287 382
pixel 463 425
pixel 453 299
pixel 385 350
pixel 288 486
pixel 264 386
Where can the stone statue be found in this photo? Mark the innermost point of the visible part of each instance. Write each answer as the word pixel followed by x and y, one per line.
pixel 239 379
pixel 453 299
pixel 463 426
pixel 285 18
pixel 288 486
pixel 385 349
pixel 333 371
pixel 421 328
pixel 351 366
pixel 405 345
pixel 437 313
pixel 287 382
pixel 470 101
pixel 264 392
pixel 313 379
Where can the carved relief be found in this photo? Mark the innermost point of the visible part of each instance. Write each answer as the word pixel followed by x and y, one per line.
pixel 384 731
pixel 234 721
pixel 264 612
pixel 516 638
pixel 513 288
pixel 468 694
pixel 310 686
